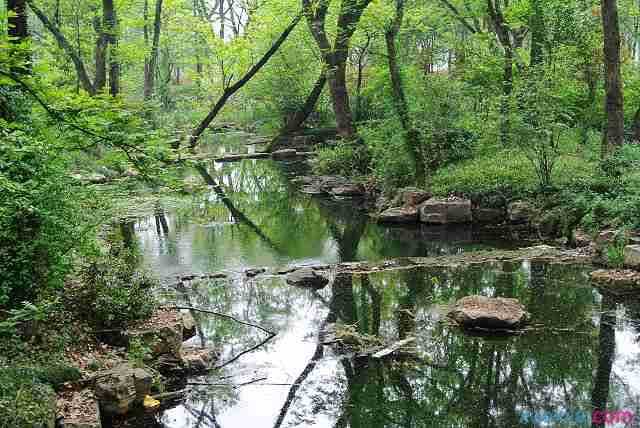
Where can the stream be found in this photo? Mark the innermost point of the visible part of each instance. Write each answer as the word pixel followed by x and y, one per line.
pixel 584 347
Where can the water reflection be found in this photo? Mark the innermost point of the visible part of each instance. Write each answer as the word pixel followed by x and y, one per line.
pixel 582 351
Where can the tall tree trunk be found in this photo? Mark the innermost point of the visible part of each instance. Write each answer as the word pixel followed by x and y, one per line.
pixel 110 23
pixel 614 130
pixel 100 55
pixel 412 138
pixel 507 89
pixel 150 72
pixel 294 122
pixel 340 99
pixel 537 33
pixel 18 31
pixel 81 71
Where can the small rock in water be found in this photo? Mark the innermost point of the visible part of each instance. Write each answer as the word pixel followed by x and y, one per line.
pixel 254 272
pixel 348 190
pixel 284 154
pixel 399 215
pixel 480 312
pixel 308 278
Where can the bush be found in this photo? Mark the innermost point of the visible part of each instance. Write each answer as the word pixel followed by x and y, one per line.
pixel 346 159
pixel 114 292
pixel 40 217
pixel 25 401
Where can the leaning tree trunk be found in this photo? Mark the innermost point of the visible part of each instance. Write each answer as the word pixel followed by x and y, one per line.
pixel 614 130
pixel 340 98
pixel 295 121
pixel 412 137
pixel 150 70
pixel 81 71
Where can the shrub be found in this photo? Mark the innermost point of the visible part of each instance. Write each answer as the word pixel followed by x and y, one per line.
pixel 115 292
pixel 25 401
pixel 346 159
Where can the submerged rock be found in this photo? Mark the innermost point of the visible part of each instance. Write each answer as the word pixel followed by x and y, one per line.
pixel 632 256
pixel 446 211
pixel 399 215
pixel 480 312
pixel 122 388
pixel 308 278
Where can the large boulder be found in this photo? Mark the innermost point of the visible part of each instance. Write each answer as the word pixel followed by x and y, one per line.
pixel 446 211
pixel 489 215
pixel 399 215
pixel 307 278
pixel 162 333
pixel 632 256
pixel 198 360
pixel 520 212
pixel 480 312
pixel 122 388
pixel 412 197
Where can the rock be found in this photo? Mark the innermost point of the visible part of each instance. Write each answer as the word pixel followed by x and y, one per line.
pixel 198 360
pixel 348 190
pixel 97 179
pixel 189 329
pixel 446 211
pixel 78 409
pixel 251 273
pixel 412 197
pixel 632 256
pixel 284 154
pixel 399 215
pixel 520 212
pixel 122 388
pixel 618 282
pixel 162 334
pixel 308 278
pixel 489 215
pixel 312 189
pixel 489 313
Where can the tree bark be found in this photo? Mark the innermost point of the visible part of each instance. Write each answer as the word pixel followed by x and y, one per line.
pixel 81 71
pixel 110 24
pixel 229 91
pixel 412 138
pixel 100 55
pixel 150 71
pixel 537 33
pixel 18 31
pixel 295 121
pixel 614 130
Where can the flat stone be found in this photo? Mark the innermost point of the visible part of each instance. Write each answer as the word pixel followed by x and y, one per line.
pixel 446 211
pixel 122 388
pixel 251 273
pixel 348 190
pixel 308 278
pixel 399 215
pixel 617 281
pixel 520 212
pixel 482 312
pixel 632 256
pixel 284 154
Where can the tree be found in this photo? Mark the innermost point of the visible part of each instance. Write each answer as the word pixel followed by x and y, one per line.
pixel 152 60
pixel 110 24
pixel 335 57
pixel 613 135
pixel 18 30
pixel 412 137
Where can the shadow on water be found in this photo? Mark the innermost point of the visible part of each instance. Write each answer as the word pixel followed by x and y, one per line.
pixel 582 352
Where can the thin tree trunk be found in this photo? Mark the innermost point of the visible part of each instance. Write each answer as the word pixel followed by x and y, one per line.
pixel 229 91
pixel 614 130
pixel 81 71
pixel 149 80
pixel 295 121
pixel 537 33
pixel 412 137
pixel 100 55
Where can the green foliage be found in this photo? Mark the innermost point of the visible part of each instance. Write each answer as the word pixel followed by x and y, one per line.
pixel 41 216
pixel 343 158
pixel 138 352
pixel 114 291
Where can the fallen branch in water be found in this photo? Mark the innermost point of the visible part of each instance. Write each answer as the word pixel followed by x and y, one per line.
pixel 270 333
pixel 227 384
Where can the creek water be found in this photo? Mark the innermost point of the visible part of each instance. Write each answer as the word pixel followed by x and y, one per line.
pixel 584 347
